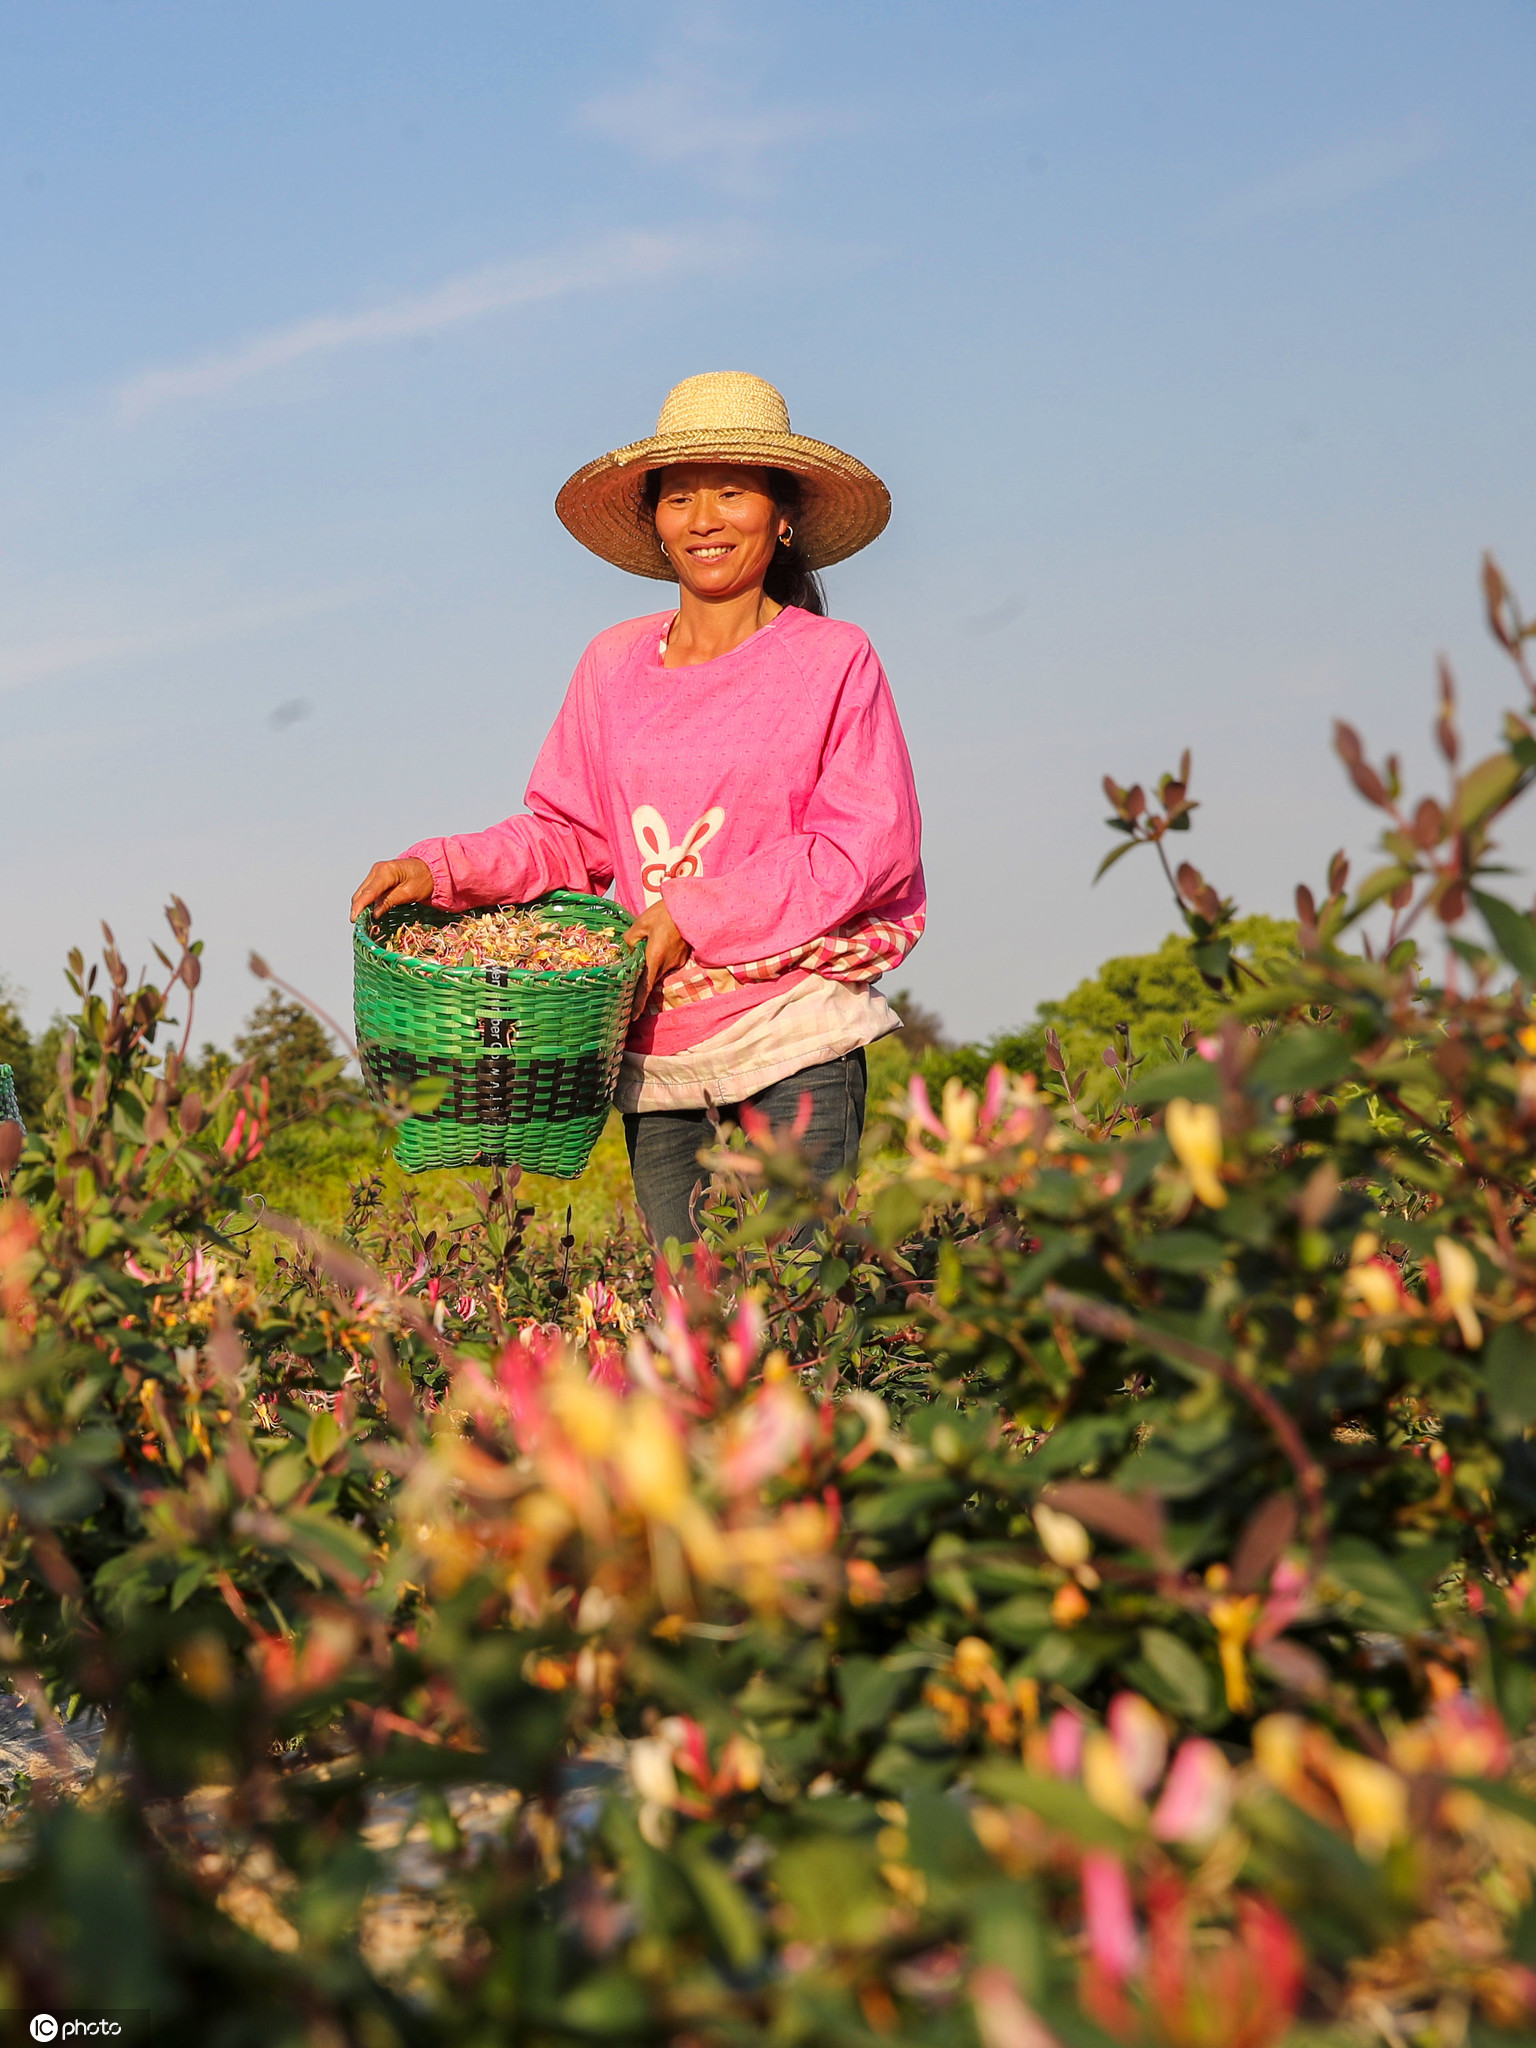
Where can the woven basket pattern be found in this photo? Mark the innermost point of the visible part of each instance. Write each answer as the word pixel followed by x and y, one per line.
pixel 530 1057
pixel 10 1108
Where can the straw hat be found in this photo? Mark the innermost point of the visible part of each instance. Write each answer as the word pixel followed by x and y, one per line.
pixel 723 416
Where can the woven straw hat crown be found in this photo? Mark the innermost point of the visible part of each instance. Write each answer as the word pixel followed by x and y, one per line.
pixel 723 416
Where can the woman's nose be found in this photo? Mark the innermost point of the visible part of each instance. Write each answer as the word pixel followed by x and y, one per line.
pixel 706 516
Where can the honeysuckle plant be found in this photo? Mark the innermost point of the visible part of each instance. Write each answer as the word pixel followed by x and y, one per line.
pixel 1083 1595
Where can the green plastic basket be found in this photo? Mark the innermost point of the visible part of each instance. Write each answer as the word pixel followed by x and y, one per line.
pixel 530 1057
pixel 10 1109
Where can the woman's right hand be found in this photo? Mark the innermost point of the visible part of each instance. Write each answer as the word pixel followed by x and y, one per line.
pixel 389 882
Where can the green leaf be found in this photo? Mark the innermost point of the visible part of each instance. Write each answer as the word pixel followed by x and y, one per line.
pixel 1493 1792
pixel 831 1886
pixel 1180 1251
pixel 1020 1621
pixel 1513 933
pixel 1509 1378
pixel 331 1546
pixel 322 1438
pixel 902 1505
pixel 187 1581
pixel 871 1692
pixel 284 1476
pixel 1196 1080
pixel 1211 959
pixel 1298 1061
pixel 1381 882
pixel 1179 1679
pixel 1057 1801
pixel 943 1843
pixel 1117 853
pixel 896 1213
pixel 1378 1595
pixel 614 2001
pixel 731 1918
pixel 1483 788
pixel 427 1095
pixel 1070 1658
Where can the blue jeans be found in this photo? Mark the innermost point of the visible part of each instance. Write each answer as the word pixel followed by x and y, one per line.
pixel 664 1144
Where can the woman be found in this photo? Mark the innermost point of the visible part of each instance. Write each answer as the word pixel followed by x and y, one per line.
pixel 735 768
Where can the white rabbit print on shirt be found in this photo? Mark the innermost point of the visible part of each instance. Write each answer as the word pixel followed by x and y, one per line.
pixel 661 860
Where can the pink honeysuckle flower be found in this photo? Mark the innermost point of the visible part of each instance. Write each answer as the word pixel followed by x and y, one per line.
pixel 605 1366
pixel 995 1101
pixel 770 1433
pixel 200 1277
pixel 640 1360
pixel 1137 1731
pixel 755 1123
pixel 689 1359
pixel 689 1749
pixel 602 1301
pixel 920 1108
pixel 521 1380
pixel 231 1144
pixel 1064 1743
pixel 1290 1589
pixel 1208 1048
pixel 1197 1797
pixel 1109 1919
pixel 1003 2020
pixel 748 1329
pixel 1463 1736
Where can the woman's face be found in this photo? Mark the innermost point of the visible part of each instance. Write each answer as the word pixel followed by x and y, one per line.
pixel 719 526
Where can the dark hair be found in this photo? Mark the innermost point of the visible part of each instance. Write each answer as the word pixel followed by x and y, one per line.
pixel 790 578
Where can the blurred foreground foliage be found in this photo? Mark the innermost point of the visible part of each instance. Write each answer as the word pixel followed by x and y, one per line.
pixel 1086 1598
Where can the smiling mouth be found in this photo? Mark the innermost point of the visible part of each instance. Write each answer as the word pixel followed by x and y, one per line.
pixel 708 554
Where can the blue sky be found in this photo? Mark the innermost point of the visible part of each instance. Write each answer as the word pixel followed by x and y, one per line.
pixel 1193 342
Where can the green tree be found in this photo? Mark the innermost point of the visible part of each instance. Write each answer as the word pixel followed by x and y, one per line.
pixel 17 1053
pixel 1155 996
pixel 285 1041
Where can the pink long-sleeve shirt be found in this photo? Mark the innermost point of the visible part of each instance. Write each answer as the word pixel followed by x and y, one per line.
pixel 766 797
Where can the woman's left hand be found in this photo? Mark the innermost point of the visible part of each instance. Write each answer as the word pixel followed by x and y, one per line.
pixel 665 948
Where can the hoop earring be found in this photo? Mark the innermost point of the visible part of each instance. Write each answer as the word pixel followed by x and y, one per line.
pixel 663 546
pixel 786 537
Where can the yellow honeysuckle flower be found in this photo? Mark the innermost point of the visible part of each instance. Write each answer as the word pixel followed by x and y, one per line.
pixel 1375 1288
pixel 1194 1132
pixel 650 1457
pixel 588 1414
pixel 974 1662
pixel 1374 1799
pixel 1107 1782
pixel 1458 1284
pixel 957 1109
pixel 1233 1617
pixel 1062 1537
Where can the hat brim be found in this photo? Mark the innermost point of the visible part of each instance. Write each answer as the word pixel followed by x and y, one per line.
pixel 843 505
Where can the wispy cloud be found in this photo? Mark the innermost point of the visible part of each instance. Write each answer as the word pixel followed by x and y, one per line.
pixel 1347 171
pixel 49 659
pixel 617 260
pixel 695 111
